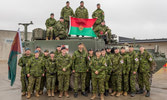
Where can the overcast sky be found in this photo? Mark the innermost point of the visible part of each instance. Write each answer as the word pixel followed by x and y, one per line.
pixel 142 19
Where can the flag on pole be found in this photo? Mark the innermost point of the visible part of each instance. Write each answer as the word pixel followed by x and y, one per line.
pixel 16 49
pixel 165 65
pixel 80 26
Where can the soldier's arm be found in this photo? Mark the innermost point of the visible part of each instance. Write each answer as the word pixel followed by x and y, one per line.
pixel 108 30
pixel 47 23
pixel 102 15
pixel 103 67
pixel 69 64
pixel 91 65
pixel 87 15
pixel 93 15
pixel 20 62
pixel 28 65
pixel 136 59
pixel 128 65
pixel 62 12
pixel 76 13
pixel 96 30
pixel 73 61
pixel 72 13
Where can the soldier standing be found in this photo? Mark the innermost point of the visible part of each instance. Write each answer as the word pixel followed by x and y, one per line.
pixel 40 51
pixel 99 14
pixel 116 63
pixel 103 31
pixel 81 11
pixel 43 79
pixel 145 69
pixel 64 63
pixel 58 50
pixel 60 32
pixel 34 70
pixel 50 24
pixel 98 67
pixel 80 68
pixel 134 63
pixel 51 70
pixel 67 12
pixel 22 63
pixel 125 71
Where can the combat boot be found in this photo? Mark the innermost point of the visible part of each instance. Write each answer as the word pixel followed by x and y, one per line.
pixel 93 97
pixel 51 38
pixel 36 94
pixel 141 91
pixel 102 96
pixel 132 94
pixel 46 38
pixel 49 93
pixel 148 94
pixel 106 93
pixel 61 94
pixel 84 94
pixel 75 95
pixel 118 94
pixel 125 94
pixel 40 92
pixel 23 93
pixel 114 93
pixel 66 94
pixel 53 94
pixel 121 92
pixel 28 95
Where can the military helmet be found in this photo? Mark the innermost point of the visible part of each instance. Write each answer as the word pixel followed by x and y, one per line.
pixel 46 50
pixel 52 52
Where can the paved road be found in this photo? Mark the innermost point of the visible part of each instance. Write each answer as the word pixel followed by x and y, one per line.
pixel 158 90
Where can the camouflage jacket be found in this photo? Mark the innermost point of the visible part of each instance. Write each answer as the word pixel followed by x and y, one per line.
pixel 23 61
pixel 50 22
pixel 108 62
pixel 126 64
pixel 80 61
pixel 64 62
pixel 100 30
pixel 81 12
pixel 57 53
pixel 60 28
pixel 134 61
pixel 51 67
pixel 100 14
pixel 45 59
pixel 66 12
pixel 35 67
pixel 98 65
pixel 145 62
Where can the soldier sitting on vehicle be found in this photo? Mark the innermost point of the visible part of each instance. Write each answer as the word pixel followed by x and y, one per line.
pixel 102 31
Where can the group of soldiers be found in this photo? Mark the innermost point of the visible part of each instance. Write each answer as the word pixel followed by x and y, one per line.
pixel 98 71
pixel 59 29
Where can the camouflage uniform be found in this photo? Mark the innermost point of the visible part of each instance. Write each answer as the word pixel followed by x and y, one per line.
pixel 51 70
pixel 57 53
pixel 116 63
pixel 98 79
pixel 64 76
pixel 81 12
pixel 50 22
pixel 22 63
pixel 145 63
pixel 35 67
pixel 65 13
pixel 134 63
pixel 125 72
pixel 80 65
pixel 100 31
pixel 60 30
pixel 100 14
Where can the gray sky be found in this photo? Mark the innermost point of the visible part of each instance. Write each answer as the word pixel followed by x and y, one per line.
pixel 130 18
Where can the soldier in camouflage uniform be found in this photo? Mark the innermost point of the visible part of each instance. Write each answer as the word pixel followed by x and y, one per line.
pixel 34 70
pixel 88 76
pixel 81 11
pixel 108 71
pixel 67 12
pixel 43 79
pixel 125 71
pixel 51 70
pixel 145 70
pixel 40 51
pixel 64 63
pixel 103 31
pixel 116 63
pixel 50 25
pixel 60 32
pixel 80 68
pixel 99 14
pixel 22 63
pixel 58 50
pixel 134 63
pixel 98 67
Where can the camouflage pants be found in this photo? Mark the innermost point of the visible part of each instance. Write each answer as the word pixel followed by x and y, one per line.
pixel 67 24
pixel 98 84
pixel 132 82
pixel 106 82
pixel 43 83
pixel 49 32
pixel 125 82
pixel 34 80
pixel 116 82
pixel 64 81
pixel 61 35
pixel 143 80
pixel 88 78
pixel 24 82
pixel 95 25
pixel 110 81
pixel 82 77
pixel 50 80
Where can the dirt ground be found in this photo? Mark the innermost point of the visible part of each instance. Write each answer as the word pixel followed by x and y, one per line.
pixel 158 89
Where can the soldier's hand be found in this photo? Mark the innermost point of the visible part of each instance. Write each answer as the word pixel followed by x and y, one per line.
pixel 43 74
pixel 105 32
pixel 73 71
pixel 28 75
pixel 134 72
pixel 50 28
pixel 97 17
pixel 87 70
pixel 64 69
pixel 96 72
